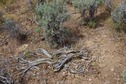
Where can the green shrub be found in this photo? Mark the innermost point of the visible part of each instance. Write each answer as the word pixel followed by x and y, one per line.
pixel 14 30
pixel 68 1
pixel 108 5
pixel 92 24
pixel 32 3
pixel 119 26
pixel 124 76
pixel 38 30
pixel 87 8
pixel 51 16
pixel 118 16
pixel 6 1
pixel 1 18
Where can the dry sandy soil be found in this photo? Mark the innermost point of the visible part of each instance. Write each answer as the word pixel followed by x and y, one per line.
pixel 107 46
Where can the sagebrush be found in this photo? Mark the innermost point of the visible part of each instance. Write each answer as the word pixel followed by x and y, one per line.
pixel 14 30
pixel 108 5
pixel 1 18
pixel 118 16
pixel 124 76
pixel 87 8
pixel 7 2
pixel 51 16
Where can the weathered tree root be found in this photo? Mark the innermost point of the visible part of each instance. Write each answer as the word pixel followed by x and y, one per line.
pixel 57 59
pixel 5 74
pixel 5 80
pixel 29 64
pixel 58 66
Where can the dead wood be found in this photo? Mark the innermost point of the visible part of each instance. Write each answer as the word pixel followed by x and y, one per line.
pixel 57 59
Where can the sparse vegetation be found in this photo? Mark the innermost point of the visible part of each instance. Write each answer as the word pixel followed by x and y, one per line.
pixel 81 37
pixel 124 76
pixel 14 30
pixel 1 18
pixel 92 24
pixel 108 5
pixel 6 2
pixel 87 9
pixel 51 16
pixel 119 16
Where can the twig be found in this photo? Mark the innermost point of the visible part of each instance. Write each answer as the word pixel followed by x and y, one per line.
pixel 2 42
pixel 35 63
pixel 61 64
pixel 62 57
pixel 5 80
pixel 40 50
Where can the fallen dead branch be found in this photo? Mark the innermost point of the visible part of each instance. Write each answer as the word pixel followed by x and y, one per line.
pixel 6 80
pixel 30 64
pixel 57 59
pixel 5 75
pixel 3 41
pixel 40 50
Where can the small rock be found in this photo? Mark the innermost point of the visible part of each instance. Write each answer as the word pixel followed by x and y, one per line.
pixel 90 79
pixel 106 82
pixel 64 73
pixel 102 65
pixel 23 47
pixel 112 69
